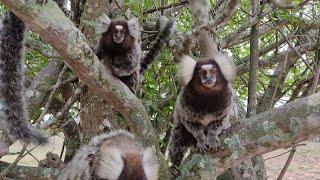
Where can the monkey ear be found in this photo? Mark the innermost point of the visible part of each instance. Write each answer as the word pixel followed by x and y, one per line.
pixel 186 69
pixel 226 66
pixel 134 28
pixel 103 24
pixel 111 164
pixel 150 164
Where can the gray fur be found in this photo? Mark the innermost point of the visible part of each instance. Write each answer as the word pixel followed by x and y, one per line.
pixel 199 116
pixel 127 64
pixel 103 158
pixel 103 25
pixel 12 104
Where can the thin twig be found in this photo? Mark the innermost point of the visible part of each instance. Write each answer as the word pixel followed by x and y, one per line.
pixel 277 85
pixel 277 155
pixel 291 6
pixel 74 97
pixel 55 87
pixel 317 69
pixel 6 171
pixel 127 18
pixel 165 7
pixel 69 120
pixel 312 91
pixel 73 78
pixel 224 16
pixel 292 47
pixel 285 168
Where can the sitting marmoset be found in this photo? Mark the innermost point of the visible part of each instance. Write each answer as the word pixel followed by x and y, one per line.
pixel 203 106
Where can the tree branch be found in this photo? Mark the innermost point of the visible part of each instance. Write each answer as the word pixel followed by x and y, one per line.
pixel 56 29
pixel 269 131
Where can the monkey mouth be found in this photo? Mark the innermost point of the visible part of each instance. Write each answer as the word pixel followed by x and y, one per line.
pixel 208 83
pixel 118 39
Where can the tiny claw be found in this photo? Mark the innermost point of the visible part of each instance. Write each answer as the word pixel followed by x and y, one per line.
pixel 208 146
pixel 213 144
pixel 175 170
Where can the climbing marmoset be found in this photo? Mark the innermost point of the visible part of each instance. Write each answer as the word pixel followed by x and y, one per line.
pixel 203 106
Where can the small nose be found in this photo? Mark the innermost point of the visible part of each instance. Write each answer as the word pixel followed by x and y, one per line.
pixel 209 75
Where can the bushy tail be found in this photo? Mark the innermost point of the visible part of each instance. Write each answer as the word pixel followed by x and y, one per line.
pixel 162 37
pixel 12 106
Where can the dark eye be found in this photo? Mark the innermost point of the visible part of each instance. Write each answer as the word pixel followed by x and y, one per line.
pixel 213 70
pixel 202 72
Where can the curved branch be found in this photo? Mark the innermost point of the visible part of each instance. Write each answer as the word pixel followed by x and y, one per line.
pixel 269 131
pixel 56 29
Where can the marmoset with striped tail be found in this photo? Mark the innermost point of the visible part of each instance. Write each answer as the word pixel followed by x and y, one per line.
pixel 117 155
pixel 119 48
pixel 203 106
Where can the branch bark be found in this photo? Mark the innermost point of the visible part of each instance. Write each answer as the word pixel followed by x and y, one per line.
pixel 269 131
pixel 254 62
pixel 266 132
pixel 50 22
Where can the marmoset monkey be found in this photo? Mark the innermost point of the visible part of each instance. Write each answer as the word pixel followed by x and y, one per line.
pixel 202 107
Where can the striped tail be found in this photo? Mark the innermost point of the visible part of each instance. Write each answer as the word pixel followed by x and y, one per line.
pixel 12 101
pixel 162 38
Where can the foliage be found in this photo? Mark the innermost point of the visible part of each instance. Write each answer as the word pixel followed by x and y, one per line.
pixel 159 87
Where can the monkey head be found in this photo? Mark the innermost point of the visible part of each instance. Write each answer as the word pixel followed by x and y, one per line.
pixel 118 155
pixel 207 75
pixel 118 35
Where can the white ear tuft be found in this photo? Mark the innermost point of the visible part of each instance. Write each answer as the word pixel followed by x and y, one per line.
pixel 103 24
pixel 150 164
pixel 111 164
pixel 186 69
pixel 134 28
pixel 226 66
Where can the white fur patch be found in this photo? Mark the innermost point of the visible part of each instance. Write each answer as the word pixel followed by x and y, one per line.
pixel 111 164
pixel 226 66
pixel 134 28
pixel 186 69
pixel 119 27
pixel 103 24
pixel 207 66
pixel 96 141
pixel 150 164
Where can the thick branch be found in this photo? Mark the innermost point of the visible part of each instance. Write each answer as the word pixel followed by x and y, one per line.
pixel 30 172
pixel 266 132
pixel 50 22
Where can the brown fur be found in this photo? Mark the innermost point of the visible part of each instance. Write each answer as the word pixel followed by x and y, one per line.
pixel 111 48
pixel 201 112
pixel 133 168
pixel 124 58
